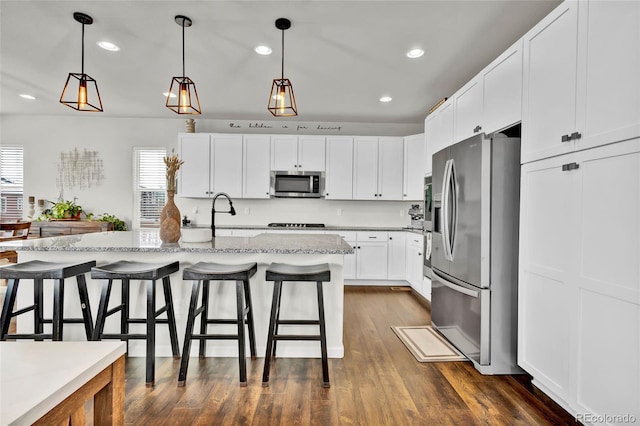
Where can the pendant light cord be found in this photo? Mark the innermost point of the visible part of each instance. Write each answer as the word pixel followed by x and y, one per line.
pixel 82 66
pixel 282 65
pixel 183 71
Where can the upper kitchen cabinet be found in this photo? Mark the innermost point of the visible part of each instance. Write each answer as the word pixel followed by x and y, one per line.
pixel 414 167
pixel 502 81
pixel 438 131
pixel 608 98
pixel 468 109
pixel 300 153
pixel 339 167
pixel 378 164
pixel 256 162
pixel 549 96
pixel 492 100
pixel 581 86
pixel 212 163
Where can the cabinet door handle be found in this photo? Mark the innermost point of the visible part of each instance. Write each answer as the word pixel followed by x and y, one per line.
pixel 477 129
pixel 419 254
pixel 373 237
pixel 565 138
pixel 391 238
pixel 575 135
pixel 570 166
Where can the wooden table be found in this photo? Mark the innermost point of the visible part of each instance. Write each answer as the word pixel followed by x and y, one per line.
pixel 55 228
pixel 47 383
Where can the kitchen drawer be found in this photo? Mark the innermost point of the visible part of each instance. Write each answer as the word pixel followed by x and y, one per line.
pixel 347 235
pixel 371 236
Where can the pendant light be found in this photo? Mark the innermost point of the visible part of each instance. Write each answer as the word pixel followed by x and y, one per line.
pixel 87 96
pixel 282 102
pixel 185 97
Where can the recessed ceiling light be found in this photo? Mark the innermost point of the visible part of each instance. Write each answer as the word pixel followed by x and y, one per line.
pixel 107 45
pixel 386 99
pixel 263 50
pixel 415 53
pixel 171 95
pixel 26 96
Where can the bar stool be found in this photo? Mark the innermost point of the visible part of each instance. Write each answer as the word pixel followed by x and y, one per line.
pixel 127 271
pixel 206 272
pixel 280 272
pixel 38 271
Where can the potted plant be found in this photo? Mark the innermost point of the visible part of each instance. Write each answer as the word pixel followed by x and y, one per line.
pixel 62 210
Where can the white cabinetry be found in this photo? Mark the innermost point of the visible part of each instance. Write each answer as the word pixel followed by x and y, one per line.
pixel 414 167
pixel 378 164
pixel 415 262
pixel 256 166
pixel 396 260
pixel 339 166
pixel 468 109
pixel 579 279
pixel 212 163
pixel 581 86
pixel 302 153
pixel 438 131
pixel 371 255
pixel 502 81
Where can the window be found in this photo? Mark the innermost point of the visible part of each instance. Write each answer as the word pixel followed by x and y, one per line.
pixel 150 185
pixel 11 192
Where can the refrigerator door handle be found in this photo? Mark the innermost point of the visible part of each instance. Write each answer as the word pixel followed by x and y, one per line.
pixel 456 287
pixel 445 211
pixel 453 185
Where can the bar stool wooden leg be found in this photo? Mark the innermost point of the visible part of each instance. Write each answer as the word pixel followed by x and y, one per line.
pixel 58 306
pixel 204 317
pixel 277 289
pixel 323 338
pixel 38 311
pixel 252 333
pixel 242 356
pixel 173 332
pixel 151 333
pixel 102 310
pixel 191 317
pixel 7 307
pixel 84 305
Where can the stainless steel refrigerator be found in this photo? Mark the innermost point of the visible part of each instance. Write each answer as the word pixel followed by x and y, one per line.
pixel 474 255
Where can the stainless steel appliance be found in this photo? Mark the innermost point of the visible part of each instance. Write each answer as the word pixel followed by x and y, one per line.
pixel 475 249
pixel 427 227
pixel 288 184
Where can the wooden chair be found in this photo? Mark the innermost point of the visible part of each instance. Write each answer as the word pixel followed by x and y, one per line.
pixel 16 230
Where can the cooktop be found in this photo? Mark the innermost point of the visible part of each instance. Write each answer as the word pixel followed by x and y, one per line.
pixel 295 225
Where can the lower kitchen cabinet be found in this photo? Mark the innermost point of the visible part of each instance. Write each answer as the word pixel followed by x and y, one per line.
pixel 415 261
pixel 579 280
pixel 396 256
pixel 371 256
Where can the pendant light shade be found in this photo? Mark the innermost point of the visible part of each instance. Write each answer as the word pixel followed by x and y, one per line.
pixel 81 91
pixel 183 97
pixel 282 102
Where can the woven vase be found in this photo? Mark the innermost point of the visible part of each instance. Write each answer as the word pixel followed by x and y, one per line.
pixel 170 220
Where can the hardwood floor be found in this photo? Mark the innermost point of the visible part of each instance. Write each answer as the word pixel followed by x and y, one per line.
pixel 378 382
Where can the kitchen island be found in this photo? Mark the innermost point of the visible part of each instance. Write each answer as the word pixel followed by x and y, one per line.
pixel 298 301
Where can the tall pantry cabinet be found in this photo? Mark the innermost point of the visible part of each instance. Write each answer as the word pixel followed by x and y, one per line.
pixel 579 273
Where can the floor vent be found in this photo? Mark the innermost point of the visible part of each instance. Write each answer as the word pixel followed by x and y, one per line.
pixel 407 288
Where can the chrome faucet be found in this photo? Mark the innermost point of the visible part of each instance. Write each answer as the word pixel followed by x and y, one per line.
pixel 231 211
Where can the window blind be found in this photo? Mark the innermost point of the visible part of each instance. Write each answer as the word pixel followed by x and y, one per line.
pixel 150 185
pixel 11 182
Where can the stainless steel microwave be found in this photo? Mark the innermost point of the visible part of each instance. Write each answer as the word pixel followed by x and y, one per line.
pixel 292 184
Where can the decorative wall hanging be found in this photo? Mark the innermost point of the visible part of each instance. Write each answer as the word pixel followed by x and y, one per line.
pixel 79 169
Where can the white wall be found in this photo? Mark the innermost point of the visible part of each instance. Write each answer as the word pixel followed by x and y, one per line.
pixel 44 138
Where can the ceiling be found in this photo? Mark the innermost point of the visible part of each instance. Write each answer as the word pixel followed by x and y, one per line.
pixel 341 56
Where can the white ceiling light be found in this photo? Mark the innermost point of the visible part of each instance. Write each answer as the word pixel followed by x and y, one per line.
pixel 107 45
pixel 386 99
pixel 26 96
pixel 415 53
pixel 263 50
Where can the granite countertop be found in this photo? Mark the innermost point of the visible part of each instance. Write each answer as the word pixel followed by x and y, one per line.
pixel 149 241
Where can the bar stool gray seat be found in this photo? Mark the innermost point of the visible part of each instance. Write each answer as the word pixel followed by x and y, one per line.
pixel 280 272
pixel 126 271
pixel 38 271
pixel 204 272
